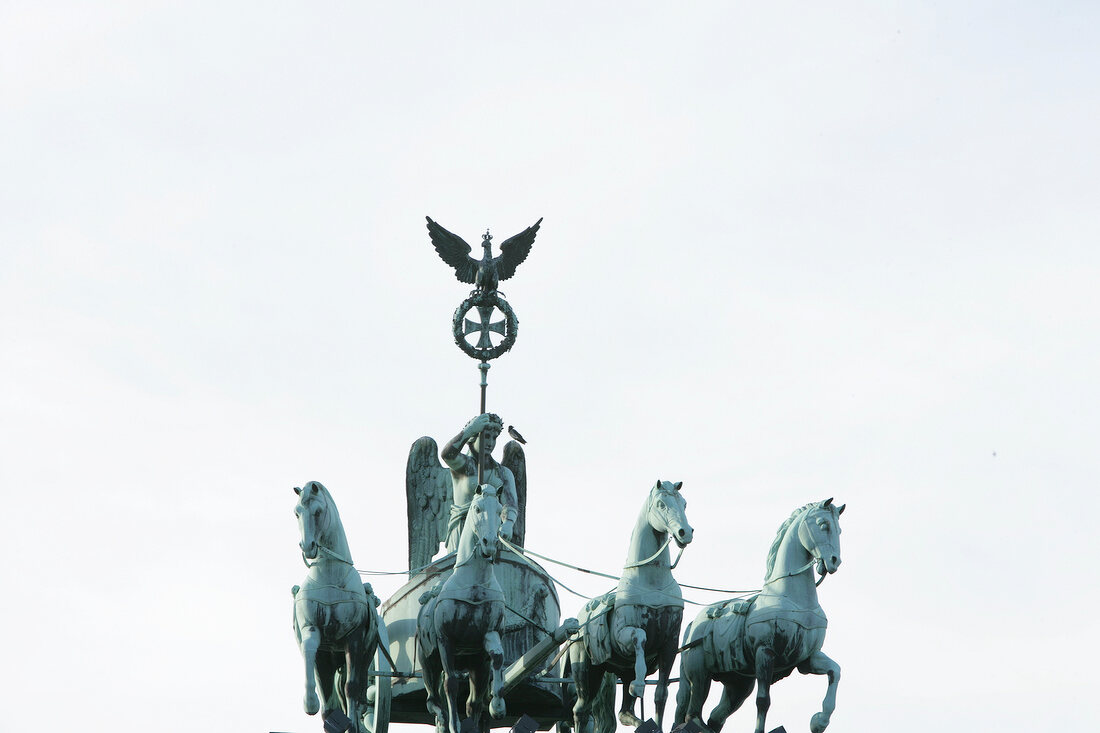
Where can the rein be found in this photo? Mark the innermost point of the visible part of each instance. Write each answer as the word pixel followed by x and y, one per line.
pixel 331 553
pixel 654 556
pixel 801 570
pixel 326 550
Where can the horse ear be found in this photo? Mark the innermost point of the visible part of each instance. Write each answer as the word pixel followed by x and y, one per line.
pixel 313 486
pixel 840 509
pixel 658 483
pixel 677 485
pixel 478 490
pixel 298 490
pixel 826 503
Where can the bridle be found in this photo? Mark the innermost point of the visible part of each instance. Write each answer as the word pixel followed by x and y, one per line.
pixel 668 539
pixel 322 549
pixel 807 566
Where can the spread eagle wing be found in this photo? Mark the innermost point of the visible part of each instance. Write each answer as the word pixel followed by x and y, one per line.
pixel 428 492
pixel 514 250
pixel 516 462
pixel 455 252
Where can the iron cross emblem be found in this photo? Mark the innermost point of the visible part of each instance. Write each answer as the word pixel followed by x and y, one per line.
pixel 484 327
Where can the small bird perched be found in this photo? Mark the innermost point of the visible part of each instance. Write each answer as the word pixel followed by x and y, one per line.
pixel 487 272
pixel 515 434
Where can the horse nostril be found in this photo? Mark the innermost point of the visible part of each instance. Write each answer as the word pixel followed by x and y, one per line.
pixel 681 533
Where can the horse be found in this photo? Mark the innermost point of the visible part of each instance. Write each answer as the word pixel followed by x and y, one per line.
pixel 334 621
pixel 761 640
pixel 461 620
pixel 634 630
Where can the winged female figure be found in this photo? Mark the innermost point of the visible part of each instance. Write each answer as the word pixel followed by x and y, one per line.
pixel 438 495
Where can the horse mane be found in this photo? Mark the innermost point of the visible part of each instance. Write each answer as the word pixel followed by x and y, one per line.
pixel 779 535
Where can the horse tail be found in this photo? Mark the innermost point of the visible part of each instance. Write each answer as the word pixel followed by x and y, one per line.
pixel 603 705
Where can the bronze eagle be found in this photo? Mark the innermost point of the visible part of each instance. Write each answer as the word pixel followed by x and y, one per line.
pixel 487 272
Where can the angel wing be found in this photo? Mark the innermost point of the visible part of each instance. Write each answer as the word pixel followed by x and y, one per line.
pixel 455 252
pixel 428 493
pixel 516 462
pixel 513 251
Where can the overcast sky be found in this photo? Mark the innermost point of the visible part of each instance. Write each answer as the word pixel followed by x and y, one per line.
pixel 791 250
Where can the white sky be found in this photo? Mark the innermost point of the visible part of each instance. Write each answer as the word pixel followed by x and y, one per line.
pixel 791 250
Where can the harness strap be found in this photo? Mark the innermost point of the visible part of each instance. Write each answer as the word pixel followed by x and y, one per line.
pixel 801 570
pixel 654 556
pixel 331 553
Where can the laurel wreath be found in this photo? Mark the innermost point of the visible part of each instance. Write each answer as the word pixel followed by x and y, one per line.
pixel 511 325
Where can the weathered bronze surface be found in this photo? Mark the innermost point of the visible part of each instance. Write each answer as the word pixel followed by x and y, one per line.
pixel 487 272
pixel 761 640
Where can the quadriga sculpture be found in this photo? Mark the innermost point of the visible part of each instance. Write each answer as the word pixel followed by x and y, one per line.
pixel 460 623
pixel 335 622
pixel 635 630
pixel 763 639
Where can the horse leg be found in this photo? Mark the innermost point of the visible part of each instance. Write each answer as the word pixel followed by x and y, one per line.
pixel 819 663
pixel 451 684
pixel 478 676
pixel 626 710
pixel 683 694
pixel 689 689
pixel 694 687
pixel 432 674
pixel 733 694
pixel 355 686
pixel 311 642
pixel 637 641
pixel 765 659
pixel 583 679
pixel 496 657
pixel 327 667
pixel 664 671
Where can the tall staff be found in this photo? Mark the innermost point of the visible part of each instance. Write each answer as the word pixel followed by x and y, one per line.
pixel 485 274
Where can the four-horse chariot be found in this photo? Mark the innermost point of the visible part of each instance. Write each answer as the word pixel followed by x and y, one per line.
pixel 475 636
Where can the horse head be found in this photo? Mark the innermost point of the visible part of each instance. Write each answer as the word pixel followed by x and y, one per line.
pixel 666 512
pixel 819 533
pixel 483 521
pixel 313 517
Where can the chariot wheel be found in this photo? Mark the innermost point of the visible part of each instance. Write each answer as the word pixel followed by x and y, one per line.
pixel 379 692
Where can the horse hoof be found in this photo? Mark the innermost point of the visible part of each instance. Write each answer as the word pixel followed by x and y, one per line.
pixel 819 723
pixel 311 703
pixel 629 719
pixel 496 708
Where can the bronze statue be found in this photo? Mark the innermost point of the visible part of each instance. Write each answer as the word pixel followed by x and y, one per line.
pixel 761 640
pixel 438 497
pixel 634 630
pixel 460 622
pixel 487 272
pixel 335 620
